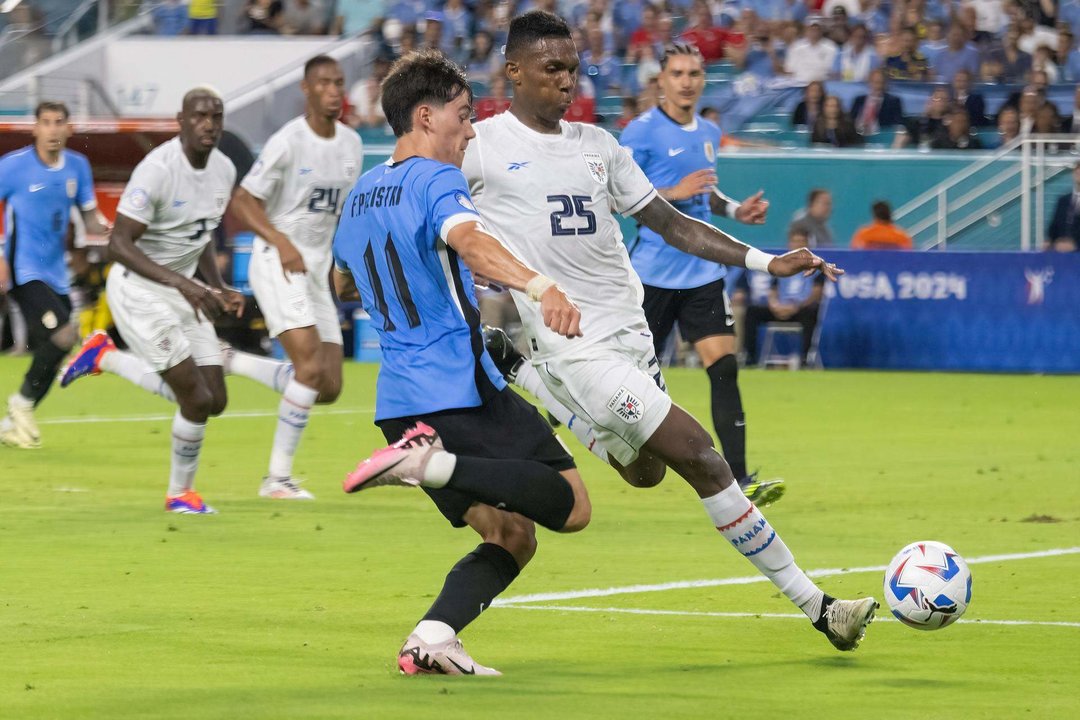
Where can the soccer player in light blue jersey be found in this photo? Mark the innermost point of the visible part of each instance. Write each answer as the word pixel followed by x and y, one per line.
pixel 676 147
pixel 39 184
pixel 408 243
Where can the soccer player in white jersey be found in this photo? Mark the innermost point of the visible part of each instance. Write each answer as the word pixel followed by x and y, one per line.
pixel 165 220
pixel 547 189
pixel 292 198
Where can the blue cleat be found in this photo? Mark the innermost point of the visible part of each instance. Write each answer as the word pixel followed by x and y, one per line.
pixel 88 360
pixel 188 503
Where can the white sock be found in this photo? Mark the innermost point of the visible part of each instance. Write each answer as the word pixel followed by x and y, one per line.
pixel 21 400
pixel 440 466
pixel 746 528
pixel 274 374
pixel 529 380
pixel 293 412
pixel 433 632
pixel 134 369
pixel 187 440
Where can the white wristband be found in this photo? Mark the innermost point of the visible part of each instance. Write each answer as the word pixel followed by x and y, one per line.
pixel 730 206
pixel 536 287
pixel 757 260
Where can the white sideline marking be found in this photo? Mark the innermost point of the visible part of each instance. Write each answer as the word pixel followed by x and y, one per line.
pixel 785 616
pixel 227 416
pixel 686 584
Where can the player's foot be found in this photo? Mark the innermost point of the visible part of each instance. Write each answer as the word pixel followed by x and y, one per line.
pixel 21 412
pixel 762 492
pixel 448 658
pixel 12 436
pixel 283 489
pixel 402 463
pixel 87 360
pixel 844 621
pixel 187 503
pixel 501 349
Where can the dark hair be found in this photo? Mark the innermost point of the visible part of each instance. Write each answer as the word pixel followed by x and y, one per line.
pixel 816 192
pixel 881 211
pixel 318 61
pixel 52 106
pixel 533 26
pixel 679 48
pixel 422 76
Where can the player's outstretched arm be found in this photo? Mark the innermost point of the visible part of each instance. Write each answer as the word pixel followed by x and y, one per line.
pixel 487 257
pixel 123 250
pixel 751 211
pixel 706 241
pixel 252 213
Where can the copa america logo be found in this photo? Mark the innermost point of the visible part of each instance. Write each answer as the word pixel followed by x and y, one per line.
pixel 1037 280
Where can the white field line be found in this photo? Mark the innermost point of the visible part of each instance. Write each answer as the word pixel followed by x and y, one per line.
pixel 770 616
pixel 229 415
pixel 687 584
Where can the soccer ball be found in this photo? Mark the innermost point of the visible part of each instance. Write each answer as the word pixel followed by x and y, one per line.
pixel 927 585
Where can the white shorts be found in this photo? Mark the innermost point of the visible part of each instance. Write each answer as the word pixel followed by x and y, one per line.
pixel 158 324
pixel 616 387
pixel 303 300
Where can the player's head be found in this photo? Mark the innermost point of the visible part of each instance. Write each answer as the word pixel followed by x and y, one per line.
pixel 323 86
pixel 51 129
pixel 682 76
pixel 202 119
pixel 426 95
pixel 542 64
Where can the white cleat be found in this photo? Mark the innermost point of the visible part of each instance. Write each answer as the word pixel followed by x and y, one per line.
pixel 21 413
pixel 283 489
pixel 13 436
pixel 448 658
pixel 846 621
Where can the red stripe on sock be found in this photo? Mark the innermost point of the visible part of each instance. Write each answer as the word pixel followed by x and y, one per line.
pixel 296 404
pixel 738 520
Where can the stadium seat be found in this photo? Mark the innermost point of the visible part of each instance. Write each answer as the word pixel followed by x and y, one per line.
pixel 771 348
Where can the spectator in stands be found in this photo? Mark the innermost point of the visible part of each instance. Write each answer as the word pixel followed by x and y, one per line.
pixel 457 26
pixel 433 31
pixel 813 220
pixel 365 96
pixel 877 108
pixel 646 64
pixel 919 131
pixel 170 17
pixel 1008 125
pixel 807 111
pixel 601 67
pixel 261 17
pixel 833 126
pixel 1065 224
pixel 649 97
pixel 1031 100
pixel 1033 34
pixel 812 56
pixel 958 55
pixel 1043 61
pixel 1038 84
pixel 1015 63
pixel 629 112
pixel 1047 121
pixel 990 18
pixel 647 33
pixel 973 102
pixel 956 134
pixel 1069 13
pixel 202 17
pixel 1066 57
pixel 496 100
pixel 1072 122
pixel 881 233
pixel 713 115
pixel 856 58
pixel 794 299
pixel 934 42
pixel 483 59
pixel 701 33
pixel 303 17
pixel 909 63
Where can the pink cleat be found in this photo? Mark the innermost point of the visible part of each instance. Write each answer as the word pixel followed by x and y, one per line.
pixel 402 463
pixel 449 658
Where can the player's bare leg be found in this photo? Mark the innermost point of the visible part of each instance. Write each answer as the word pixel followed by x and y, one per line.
pixel 509 543
pixel 688 449
pixel 200 393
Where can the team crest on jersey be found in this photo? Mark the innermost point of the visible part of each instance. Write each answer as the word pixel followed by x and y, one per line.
pixel 595 162
pixel 710 152
pixel 72 187
pixel 463 201
pixel 139 199
pixel 626 405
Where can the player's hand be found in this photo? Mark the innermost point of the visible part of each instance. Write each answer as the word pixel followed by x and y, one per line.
pixel 206 302
pixel 696 183
pixel 560 313
pixel 234 301
pixel 804 261
pixel 291 260
pixel 753 209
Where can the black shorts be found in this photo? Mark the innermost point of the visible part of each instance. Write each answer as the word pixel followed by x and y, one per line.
pixel 506 427
pixel 45 310
pixel 701 312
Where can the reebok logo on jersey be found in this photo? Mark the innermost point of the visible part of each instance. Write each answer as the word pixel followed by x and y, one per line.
pixel 518 165
pixel 37 186
pixel 305 171
pixel 626 406
pixel 672 152
pixel 179 203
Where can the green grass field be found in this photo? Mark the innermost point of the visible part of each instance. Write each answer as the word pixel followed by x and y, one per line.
pixel 110 608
